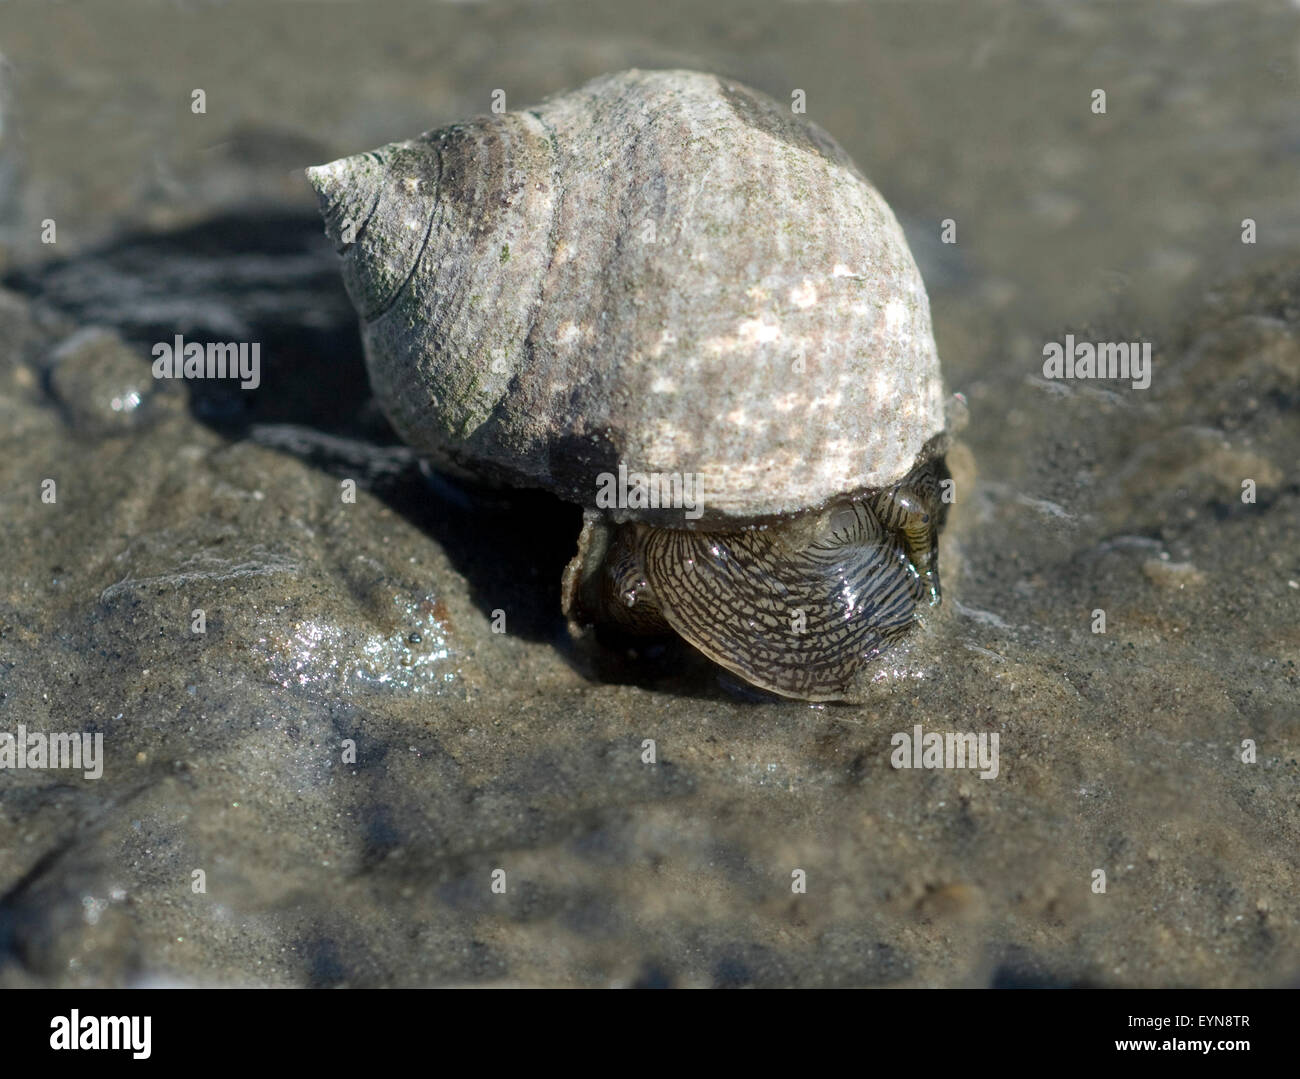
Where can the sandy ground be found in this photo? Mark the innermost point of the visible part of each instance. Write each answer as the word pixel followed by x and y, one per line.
pixel 330 623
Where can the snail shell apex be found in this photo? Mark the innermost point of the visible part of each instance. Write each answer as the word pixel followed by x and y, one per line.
pixel 663 270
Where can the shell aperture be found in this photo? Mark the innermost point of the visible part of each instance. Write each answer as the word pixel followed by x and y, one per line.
pixel 801 607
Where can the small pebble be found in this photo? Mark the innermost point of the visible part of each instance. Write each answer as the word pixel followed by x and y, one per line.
pixel 1172 574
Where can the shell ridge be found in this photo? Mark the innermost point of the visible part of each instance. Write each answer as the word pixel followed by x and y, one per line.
pixel 374 206
pixel 552 139
pixel 415 262
pixel 534 315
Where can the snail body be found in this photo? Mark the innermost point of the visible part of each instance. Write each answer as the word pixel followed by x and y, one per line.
pixel 665 274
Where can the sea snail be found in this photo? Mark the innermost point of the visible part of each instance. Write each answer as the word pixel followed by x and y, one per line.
pixel 668 299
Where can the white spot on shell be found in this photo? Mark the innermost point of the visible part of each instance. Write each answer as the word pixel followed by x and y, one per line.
pixel 669 444
pixel 755 331
pixel 667 340
pixel 824 402
pixel 838 460
pixel 804 295
pixel 412 185
pixel 750 333
pixel 663 384
pixel 895 314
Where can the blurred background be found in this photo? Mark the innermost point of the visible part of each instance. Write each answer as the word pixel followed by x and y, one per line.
pixel 370 622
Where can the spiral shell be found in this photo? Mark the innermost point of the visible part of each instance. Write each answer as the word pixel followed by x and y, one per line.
pixel 662 270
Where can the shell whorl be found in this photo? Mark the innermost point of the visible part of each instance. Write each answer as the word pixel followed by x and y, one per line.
pixel 454 237
pixel 662 270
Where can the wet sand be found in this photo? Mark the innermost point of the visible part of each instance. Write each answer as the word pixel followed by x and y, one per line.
pixel 328 623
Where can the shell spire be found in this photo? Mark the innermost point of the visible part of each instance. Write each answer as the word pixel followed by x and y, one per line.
pixel 377 208
pixel 348 193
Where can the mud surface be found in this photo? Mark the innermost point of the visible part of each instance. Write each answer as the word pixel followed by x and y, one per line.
pixel 328 622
